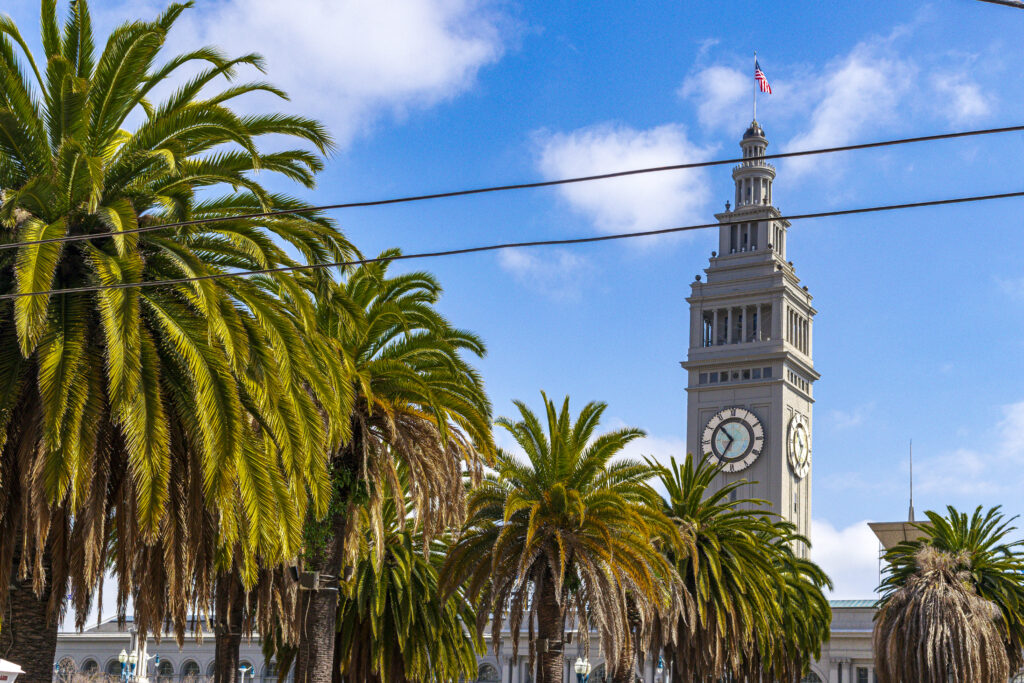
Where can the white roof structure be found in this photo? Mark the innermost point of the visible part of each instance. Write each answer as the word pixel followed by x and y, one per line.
pixel 9 671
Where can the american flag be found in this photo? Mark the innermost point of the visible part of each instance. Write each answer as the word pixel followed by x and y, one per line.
pixel 761 80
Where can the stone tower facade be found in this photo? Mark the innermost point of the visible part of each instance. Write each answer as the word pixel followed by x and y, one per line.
pixel 750 373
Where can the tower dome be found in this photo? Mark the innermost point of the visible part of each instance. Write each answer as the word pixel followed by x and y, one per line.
pixel 754 175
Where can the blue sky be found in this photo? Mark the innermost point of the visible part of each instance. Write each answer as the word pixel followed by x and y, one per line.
pixel 919 333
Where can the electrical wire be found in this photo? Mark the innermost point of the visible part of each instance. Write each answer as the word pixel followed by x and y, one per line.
pixel 514 245
pixel 1008 3
pixel 517 186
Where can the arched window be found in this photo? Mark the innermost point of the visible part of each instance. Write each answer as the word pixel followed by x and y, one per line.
pixel 90 667
pixel 270 673
pixel 811 678
pixel 113 668
pixel 66 670
pixel 165 672
pixel 1019 678
pixel 211 670
pixel 487 674
pixel 190 671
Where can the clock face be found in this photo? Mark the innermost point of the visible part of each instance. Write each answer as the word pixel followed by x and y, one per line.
pixel 798 446
pixel 734 438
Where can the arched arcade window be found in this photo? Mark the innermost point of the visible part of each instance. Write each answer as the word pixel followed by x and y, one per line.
pixel 65 670
pixel 488 674
pixel 190 671
pixel 165 672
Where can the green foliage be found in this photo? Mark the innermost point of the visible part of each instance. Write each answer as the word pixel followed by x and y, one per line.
pixel 393 622
pixel 417 402
pixel 753 604
pixel 982 553
pixel 566 520
pixel 186 422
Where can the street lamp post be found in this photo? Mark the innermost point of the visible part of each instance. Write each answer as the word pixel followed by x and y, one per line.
pixel 133 659
pixel 582 668
pixel 660 670
pixel 123 661
pixel 246 670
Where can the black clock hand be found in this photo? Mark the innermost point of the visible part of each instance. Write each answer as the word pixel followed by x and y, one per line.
pixel 731 439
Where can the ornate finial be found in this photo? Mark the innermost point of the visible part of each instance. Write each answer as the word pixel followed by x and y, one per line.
pixel 728 206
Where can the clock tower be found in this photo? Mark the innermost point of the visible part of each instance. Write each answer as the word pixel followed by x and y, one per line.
pixel 750 373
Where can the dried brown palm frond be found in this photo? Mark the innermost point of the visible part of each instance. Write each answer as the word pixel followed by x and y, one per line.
pixel 936 628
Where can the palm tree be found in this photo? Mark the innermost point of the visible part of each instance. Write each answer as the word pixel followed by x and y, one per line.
pixel 131 415
pixel 562 538
pixel 953 601
pixel 393 623
pixel 417 404
pixel 936 628
pixel 752 607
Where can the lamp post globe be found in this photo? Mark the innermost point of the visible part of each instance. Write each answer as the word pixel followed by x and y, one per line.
pixel 123 657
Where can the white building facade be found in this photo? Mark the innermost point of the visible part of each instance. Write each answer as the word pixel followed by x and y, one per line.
pixel 846 659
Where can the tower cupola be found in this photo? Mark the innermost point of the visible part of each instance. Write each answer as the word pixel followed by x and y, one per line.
pixel 754 175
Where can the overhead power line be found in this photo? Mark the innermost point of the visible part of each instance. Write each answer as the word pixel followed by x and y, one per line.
pixel 517 186
pixel 515 245
pixel 1008 3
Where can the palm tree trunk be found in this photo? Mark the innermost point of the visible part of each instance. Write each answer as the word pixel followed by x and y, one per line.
pixel 229 602
pixel 314 657
pixel 625 664
pixel 551 628
pixel 32 635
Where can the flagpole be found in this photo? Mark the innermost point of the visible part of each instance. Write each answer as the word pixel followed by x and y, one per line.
pixel 755 87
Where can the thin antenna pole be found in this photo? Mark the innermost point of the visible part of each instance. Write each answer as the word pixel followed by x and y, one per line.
pixel 755 86
pixel 911 480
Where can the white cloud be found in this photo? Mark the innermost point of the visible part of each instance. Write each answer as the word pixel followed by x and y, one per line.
pixel 962 472
pixel 1012 430
pixel 1012 287
pixel 970 472
pixel 859 94
pixel 632 203
pixel 350 62
pixel 849 556
pixel 718 92
pixel 557 273
pixel 846 419
pixel 963 98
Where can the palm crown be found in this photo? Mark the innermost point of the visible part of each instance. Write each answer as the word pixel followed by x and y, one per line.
pixel 752 606
pixel 565 533
pixel 976 562
pixel 162 402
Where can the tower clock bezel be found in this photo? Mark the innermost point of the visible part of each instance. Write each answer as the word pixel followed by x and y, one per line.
pixel 798 451
pixel 719 424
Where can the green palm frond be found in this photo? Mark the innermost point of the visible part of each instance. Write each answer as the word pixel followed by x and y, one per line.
pixel 976 549
pixel 753 606
pixel 215 402
pixel 567 529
